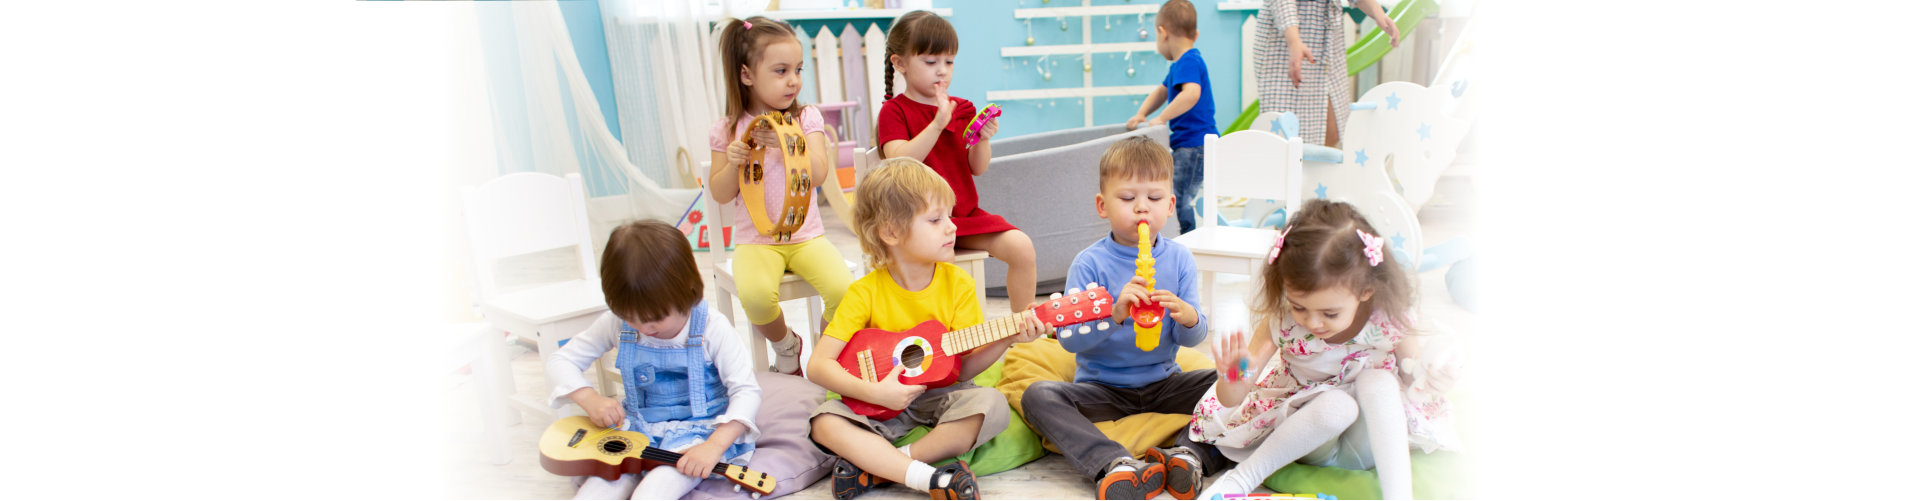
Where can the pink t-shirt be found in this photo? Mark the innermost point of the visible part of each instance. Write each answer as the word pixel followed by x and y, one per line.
pixel 775 182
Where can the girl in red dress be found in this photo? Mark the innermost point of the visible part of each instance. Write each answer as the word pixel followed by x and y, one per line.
pixel 925 124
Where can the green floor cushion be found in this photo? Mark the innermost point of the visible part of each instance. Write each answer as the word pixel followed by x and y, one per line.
pixel 1016 446
pixel 1440 475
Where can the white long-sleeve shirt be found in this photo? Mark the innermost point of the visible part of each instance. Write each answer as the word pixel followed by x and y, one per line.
pixel 724 347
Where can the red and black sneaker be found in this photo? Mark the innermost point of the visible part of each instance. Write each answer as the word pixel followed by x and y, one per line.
pixel 959 485
pixel 850 481
pixel 1183 478
pixel 1144 481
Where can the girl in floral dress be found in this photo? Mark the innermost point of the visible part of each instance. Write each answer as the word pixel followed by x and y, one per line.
pixel 1321 388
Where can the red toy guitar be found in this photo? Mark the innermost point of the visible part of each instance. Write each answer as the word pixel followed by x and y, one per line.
pixel 931 354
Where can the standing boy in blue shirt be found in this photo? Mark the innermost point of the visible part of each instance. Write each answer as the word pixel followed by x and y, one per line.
pixel 1190 112
pixel 1113 377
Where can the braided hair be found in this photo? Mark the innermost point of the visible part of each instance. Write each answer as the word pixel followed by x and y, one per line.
pixel 915 33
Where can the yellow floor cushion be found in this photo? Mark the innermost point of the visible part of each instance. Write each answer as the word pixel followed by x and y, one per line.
pixel 1045 360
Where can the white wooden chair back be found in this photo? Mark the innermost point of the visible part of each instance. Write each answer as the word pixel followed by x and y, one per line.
pixel 1253 164
pixel 523 213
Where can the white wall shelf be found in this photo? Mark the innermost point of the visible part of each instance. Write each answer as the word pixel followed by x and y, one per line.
pixel 1070 92
pixel 1240 5
pixel 1101 10
pixel 834 14
pixel 1042 50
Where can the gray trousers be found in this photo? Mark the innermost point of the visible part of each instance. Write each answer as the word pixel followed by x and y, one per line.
pixel 1065 412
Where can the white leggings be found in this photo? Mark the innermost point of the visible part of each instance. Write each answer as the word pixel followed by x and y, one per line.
pixel 1314 435
pixel 663 482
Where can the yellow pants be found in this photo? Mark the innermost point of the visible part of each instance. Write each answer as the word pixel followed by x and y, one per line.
pixel 757 270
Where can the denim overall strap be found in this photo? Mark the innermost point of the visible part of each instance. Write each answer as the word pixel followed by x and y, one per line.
pixel 697 361
pixel 628 358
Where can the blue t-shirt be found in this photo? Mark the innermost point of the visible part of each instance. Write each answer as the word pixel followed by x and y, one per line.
pixel 1190 128
pixel 1110 356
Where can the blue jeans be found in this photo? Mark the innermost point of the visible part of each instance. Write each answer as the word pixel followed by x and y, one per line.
pixel 1188 171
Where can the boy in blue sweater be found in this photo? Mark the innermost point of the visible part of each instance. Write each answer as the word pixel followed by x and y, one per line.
pixel 1188 94
pixel 1113 377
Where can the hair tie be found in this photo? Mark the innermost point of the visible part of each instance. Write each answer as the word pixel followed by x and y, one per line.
pixel 748 23
pixel 1277 242
pixel 1374 254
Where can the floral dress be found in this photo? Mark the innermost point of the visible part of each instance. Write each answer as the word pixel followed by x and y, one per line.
pixel 1305 367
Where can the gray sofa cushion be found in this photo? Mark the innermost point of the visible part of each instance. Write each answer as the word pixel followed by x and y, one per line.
pixel 1045 183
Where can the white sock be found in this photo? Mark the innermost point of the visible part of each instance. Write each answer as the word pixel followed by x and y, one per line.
pixel 908 450
pixel 786 353
pixel 920 476
pixel 1189 458
pixel 1121 467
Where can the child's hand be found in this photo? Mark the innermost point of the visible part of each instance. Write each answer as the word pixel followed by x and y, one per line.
pixel 891 394
pixel 737 153
pixel 992 127
pixel 1177 310
pixel 1135 121
pixel 945 115
pixel 1228 351
pixel 698 461
pixel 1135 292
pixel 603 411
pixel 1032 329
pixel 1157 121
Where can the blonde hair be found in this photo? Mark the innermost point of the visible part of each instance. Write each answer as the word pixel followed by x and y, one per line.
pixel 1135 157
pixel 888 199
pixel 1322 250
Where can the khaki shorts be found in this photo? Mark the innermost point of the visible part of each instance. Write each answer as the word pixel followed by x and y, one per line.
pixel 936 406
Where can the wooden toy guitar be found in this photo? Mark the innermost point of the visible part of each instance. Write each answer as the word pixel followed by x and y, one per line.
pixel 799 192
pixel 979 122
pixel 930 354
pixel 574 446
pixel 1146 316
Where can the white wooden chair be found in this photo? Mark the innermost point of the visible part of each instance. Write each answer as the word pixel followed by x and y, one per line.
pixel 523 213
pixel 974 261
pixel 1253 164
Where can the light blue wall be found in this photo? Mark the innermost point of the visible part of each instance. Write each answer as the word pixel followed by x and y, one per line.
pixel 512 146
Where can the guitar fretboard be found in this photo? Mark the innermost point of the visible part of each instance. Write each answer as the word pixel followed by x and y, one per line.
pixel 960 341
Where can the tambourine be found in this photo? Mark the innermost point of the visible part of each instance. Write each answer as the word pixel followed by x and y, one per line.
pixel 980 120
pixel 799 192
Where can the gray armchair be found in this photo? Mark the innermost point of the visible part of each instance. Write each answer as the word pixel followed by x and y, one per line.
pixel 1044 183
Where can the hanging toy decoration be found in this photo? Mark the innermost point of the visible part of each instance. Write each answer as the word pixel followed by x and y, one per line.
pixel 1146 316
pixel 979 122
pixel 798 199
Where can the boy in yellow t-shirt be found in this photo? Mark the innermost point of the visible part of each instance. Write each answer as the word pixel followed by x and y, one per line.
pixel 901 215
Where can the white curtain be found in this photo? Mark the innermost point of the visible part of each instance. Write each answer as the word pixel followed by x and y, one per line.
pixel 666 82
pixel 548 65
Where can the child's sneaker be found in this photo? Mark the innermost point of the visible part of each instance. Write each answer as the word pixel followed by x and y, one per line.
pixel 850 481
pixel 959 485
pixel 799 368
pixel 1144 481
pixel 1183 477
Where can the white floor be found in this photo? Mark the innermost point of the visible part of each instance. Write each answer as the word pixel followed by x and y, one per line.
pixel 470 475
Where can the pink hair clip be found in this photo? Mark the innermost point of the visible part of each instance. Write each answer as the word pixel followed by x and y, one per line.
pixel 1374 254
pixel 1277 241
pixel 749 24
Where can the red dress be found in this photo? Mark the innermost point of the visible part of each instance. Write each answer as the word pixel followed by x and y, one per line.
pixel 902 117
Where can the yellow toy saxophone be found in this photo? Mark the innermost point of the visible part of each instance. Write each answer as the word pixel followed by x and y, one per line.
pixel 1147 316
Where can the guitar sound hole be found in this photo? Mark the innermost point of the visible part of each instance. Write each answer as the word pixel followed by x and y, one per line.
pixel 614 447
pixel 911 356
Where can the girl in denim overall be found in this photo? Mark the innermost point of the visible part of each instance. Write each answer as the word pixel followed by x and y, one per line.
pixel 687 382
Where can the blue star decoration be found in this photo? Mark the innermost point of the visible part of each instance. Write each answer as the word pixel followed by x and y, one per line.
pixel 1276 128
pixel 1399 241
pixel 1360 156
pixel 1393 101
pixel 1320 192
pixel 1425 131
